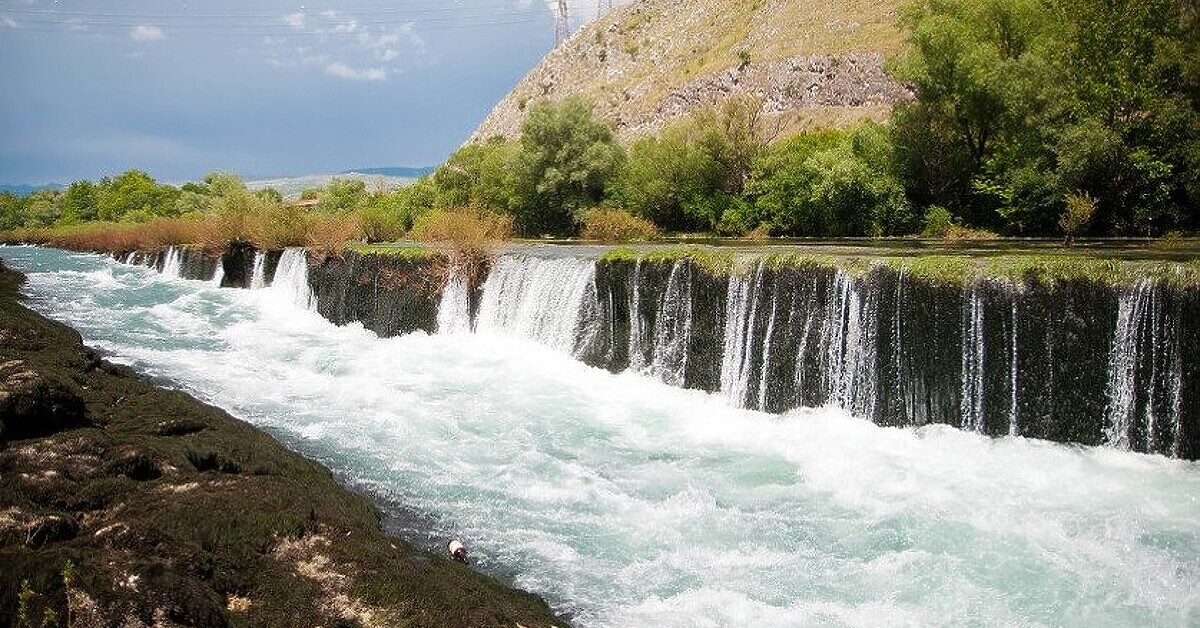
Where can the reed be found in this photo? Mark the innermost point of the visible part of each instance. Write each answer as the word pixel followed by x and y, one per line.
pixel 617 225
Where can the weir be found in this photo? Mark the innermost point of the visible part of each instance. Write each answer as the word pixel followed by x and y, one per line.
pixel 1070 360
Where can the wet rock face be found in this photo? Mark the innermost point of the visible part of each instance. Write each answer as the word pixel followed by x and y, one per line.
pixel 35 404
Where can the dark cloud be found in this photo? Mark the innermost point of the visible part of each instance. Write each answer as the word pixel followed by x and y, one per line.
pixel 264 89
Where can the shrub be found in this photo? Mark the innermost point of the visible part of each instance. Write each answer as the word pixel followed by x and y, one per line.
pixel 471 237
pixel 616 225
pixel 938 222
pixel 328 234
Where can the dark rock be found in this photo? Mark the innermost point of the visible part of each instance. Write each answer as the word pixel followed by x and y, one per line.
pixel 137 465
pixel 35 404
pixel 50 529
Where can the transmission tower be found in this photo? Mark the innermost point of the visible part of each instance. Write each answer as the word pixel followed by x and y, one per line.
pixel 562 30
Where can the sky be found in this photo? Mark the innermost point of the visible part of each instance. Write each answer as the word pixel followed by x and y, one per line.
pixel 269 88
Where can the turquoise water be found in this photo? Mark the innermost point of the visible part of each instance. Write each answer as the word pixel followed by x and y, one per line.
pixel 626 502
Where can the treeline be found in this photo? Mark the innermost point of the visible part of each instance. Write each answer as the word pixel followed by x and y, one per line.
pixel 1030 118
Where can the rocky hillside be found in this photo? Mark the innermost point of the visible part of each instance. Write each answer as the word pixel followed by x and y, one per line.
pixel 652 61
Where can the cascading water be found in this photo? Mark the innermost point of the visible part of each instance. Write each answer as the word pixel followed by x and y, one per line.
pixel 172 264
pixel 736 361
pixel 1124 362
pixel 454 310
pixel 291 278
pixel 538 299
pixel 673 331
pixel 626 502
pixel 972 361
pixel 258 279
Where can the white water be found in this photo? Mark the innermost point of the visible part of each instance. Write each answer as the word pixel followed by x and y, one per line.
pixel 258 279
pixel 627 502
pixel 171 265
pixel 971 402
pixel 537 299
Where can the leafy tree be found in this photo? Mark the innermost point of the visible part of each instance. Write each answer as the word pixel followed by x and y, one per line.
pixel 12 211
pixel 478 175
pixel 567 159
pixel 734 135
pixel 43 208
pixel 1079 211
pixel 665 178
pixel 79 202
pixel 343 196
pixel 831 183
pixel 133 191
pixel 1020 102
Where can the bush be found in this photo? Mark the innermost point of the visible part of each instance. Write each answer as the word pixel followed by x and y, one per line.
pixel 471 237
pixel 616 225
pixel 938 222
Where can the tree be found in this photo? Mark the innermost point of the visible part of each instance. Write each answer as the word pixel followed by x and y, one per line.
pixel 1021 102
pixel 343 196
pixel 134 195
pixel 831 183
pixel 734 135
pixel 666 176
pixel 567 159
pixel 1079 211
pixel 79 202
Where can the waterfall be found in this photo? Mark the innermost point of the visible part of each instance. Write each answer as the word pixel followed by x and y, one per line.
pixel 454 310
pixel 637 351
pixel 258 278
pixel 171 265
pixel 971 401
pixel 741 307
pixel 850 349
pixel 764 383
pixel 1014 428
pixel 1123 364
pixel 218 275
pixel 674 327
pixel 539 299
pixel 291 278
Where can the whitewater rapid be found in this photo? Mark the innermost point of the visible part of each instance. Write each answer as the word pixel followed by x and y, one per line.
pixel 627 502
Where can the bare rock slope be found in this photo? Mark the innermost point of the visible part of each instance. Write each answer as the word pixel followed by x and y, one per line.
pixel 654 61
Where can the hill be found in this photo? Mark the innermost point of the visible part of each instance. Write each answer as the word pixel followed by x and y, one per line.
pixel 652 61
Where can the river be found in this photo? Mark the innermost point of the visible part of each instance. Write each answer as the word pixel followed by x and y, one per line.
pixel 627 502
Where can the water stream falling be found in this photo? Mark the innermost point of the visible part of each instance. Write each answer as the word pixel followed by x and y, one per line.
pixel 171 265
pixel 627 502
pixel 258 279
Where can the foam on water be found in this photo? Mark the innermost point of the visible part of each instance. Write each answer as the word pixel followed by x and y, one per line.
pixel 627 502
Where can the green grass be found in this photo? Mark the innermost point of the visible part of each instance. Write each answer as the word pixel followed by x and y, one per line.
pixel 406 250
pixel 946 269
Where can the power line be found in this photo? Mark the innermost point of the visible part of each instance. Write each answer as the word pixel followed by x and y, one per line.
pixel 562 24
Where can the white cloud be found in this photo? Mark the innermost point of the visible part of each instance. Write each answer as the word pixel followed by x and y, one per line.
pixel 145 32
pixel 8 22
pixel 348 47
pixel 341 70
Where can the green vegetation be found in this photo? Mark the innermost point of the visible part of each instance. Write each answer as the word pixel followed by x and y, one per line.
pixel 1023 103
pixel 1037 118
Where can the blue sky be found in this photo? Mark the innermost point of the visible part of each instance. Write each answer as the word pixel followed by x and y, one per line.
pixel 179 88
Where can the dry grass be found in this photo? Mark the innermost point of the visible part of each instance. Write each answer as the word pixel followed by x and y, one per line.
pixel 269 229
pixel 617 225
pixel 327 234
pixel 471 237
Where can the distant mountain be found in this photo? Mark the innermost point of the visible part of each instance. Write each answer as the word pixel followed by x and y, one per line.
pixel 24 189
pixel 650 62
pixel 395 171
pixel 375 178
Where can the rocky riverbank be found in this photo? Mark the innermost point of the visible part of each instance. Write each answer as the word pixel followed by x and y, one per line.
pixel 122 503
